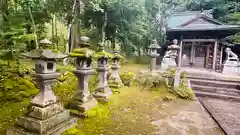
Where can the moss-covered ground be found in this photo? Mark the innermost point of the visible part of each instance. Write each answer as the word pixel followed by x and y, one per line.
pixel 129 111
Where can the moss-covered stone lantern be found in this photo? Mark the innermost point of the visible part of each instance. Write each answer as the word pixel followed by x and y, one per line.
pixel 45 115
pixel 83 100
pixel 115 80
pixel 102 90
pixel 153 53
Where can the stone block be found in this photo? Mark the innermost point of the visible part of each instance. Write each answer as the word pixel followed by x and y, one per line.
pixel 230 69
pixel 46 112
pixel 103 95
pixel 83 106
pixel 41 126
pixel 56 130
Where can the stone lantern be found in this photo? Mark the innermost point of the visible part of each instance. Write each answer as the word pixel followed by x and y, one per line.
pixel 102 90
pixel 153 54
pixel 169 59
pixel 174 48
pixel 83 100
pixel 115 80
pixel 45 115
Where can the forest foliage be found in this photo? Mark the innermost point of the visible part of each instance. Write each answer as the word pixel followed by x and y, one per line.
pixel 129 24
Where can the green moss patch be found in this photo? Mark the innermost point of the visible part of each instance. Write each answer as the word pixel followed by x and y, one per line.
pixel 65 87
pixel 9 111
pixel 102 54
pixel 16 87
pixel 129 111
pixel 82 52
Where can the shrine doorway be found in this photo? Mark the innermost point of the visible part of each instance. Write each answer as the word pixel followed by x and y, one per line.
pixel 195 55
pixel 200 56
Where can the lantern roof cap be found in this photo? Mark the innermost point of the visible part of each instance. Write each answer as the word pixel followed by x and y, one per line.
pixel 44 54
pixel 103 54
pixel 84 40
pixel 82 52
pixel 154 44
pixel 116 51
pixel 174 46
pixel 45 41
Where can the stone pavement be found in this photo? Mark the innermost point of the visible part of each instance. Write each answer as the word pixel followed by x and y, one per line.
pixel 226 113
pixel 185 118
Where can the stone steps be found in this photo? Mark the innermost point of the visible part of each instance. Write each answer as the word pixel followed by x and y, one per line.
pixel 208 85
pixel 218 96
pixel 214 83
pixel 213 78
pixel 218 90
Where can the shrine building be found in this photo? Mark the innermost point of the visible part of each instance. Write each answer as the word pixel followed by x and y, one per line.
pixel 202 39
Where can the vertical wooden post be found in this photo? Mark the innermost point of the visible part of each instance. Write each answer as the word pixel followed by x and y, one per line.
pixel 192 53
pixel 215 55
pixel 180 54
pixel 221 57
pixel 207 57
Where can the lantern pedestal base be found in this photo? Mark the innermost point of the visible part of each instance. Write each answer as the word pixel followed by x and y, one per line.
pixel 115 85
pixel 83 106
pixel 57 130
pixel 115 80
pixel 50 120
pixel 102 94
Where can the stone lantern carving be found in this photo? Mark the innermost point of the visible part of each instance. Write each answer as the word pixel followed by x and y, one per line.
pixel 102 90
pixel 169 59
pixel 115 80
pixel 45 115
pixel 83 100
pixel 153 48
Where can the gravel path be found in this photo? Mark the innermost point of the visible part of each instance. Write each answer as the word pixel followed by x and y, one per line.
pixel 226 113
pixel 189 118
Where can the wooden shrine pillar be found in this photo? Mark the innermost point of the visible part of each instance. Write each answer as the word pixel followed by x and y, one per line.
pixel 207 57
pixel 192 53
pixel 215 54
pixel 221 58
pixel 180 54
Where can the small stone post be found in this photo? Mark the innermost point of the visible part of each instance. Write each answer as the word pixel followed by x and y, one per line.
pixel 115 80
pixel 83 100
pixel 45 115
pixel 102 90
pixel 153 54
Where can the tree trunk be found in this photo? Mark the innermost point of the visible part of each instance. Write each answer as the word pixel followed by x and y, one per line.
pixel 53 28
pixel 104 27
pixel 70 23
pixel 34 27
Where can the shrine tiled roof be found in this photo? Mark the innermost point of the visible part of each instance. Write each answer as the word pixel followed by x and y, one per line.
pixel 196 21
pixel 179 18
pixel 205 27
